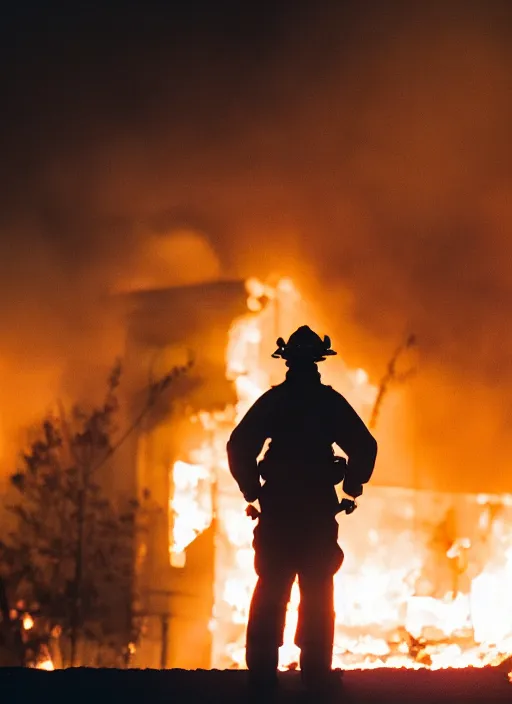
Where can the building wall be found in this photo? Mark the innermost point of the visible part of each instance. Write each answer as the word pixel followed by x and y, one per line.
pixel 178 602
pixel 164 326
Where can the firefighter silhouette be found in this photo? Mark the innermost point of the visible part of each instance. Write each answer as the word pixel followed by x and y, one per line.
pixel 297 531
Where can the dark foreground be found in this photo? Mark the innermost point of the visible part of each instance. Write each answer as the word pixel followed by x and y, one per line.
pixel 139 686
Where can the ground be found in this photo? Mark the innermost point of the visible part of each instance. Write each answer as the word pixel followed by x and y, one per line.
pixel 489 686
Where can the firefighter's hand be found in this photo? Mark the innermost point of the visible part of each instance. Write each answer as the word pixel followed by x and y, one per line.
pixel 347 506
pixel 252 512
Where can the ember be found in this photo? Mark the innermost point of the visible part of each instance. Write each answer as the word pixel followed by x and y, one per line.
pixel 28 622
pixel 402 599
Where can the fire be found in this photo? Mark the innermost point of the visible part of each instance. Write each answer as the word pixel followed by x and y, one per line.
pixel 28 622
pixel 388 611
pixel 191 498
pixel 46 665
pixel 44 661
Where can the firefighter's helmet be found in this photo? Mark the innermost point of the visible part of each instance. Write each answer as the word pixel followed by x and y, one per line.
pixel 304 345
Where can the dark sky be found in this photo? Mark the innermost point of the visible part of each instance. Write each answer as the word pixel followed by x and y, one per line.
pixel 364 146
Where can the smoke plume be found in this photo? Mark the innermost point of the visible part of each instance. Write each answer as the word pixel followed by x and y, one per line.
pixel 361 147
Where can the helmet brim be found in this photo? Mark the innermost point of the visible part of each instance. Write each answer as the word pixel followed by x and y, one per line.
pixel 303 354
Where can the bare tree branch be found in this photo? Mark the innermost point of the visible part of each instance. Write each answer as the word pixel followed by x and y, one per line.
pixel 392 376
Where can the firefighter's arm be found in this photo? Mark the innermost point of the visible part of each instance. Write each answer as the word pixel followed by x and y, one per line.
pixel 244 447
pixel 358 443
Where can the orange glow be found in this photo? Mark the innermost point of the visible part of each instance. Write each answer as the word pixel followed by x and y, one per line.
pixel 382 611
pixel 191 507
pixel 28 622
pixel 46 665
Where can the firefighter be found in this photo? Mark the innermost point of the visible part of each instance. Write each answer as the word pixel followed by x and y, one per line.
pixel 297 531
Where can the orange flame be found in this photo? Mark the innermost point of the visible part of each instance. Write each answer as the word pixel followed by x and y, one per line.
pixel 28 622
pixel 375 591
pixel 46 665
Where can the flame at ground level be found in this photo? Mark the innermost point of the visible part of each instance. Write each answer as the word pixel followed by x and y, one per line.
pixel 46 665
pixel 427 577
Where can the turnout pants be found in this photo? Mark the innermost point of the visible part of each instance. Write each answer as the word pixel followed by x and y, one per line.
pixel 282 552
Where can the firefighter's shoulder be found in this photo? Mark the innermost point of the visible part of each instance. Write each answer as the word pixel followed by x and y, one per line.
pixel 273 393
pixel 334 396
pixel 269 396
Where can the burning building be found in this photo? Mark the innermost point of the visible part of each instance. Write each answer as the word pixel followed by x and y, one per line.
pixel 427 576
pixel 365 146
pixel 176 603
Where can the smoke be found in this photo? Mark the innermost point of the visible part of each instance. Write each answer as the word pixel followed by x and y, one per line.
pixel 361 147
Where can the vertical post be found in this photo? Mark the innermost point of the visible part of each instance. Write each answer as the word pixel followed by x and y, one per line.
pixel 10 629
pixel 165 641
pixel 4 603
pixel 78 577
pixel 215 528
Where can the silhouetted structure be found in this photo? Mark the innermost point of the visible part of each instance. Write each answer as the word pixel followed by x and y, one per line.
pixel 297 529
pixel 162 326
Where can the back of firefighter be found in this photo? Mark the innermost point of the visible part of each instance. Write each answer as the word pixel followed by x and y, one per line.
pixel 297 531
